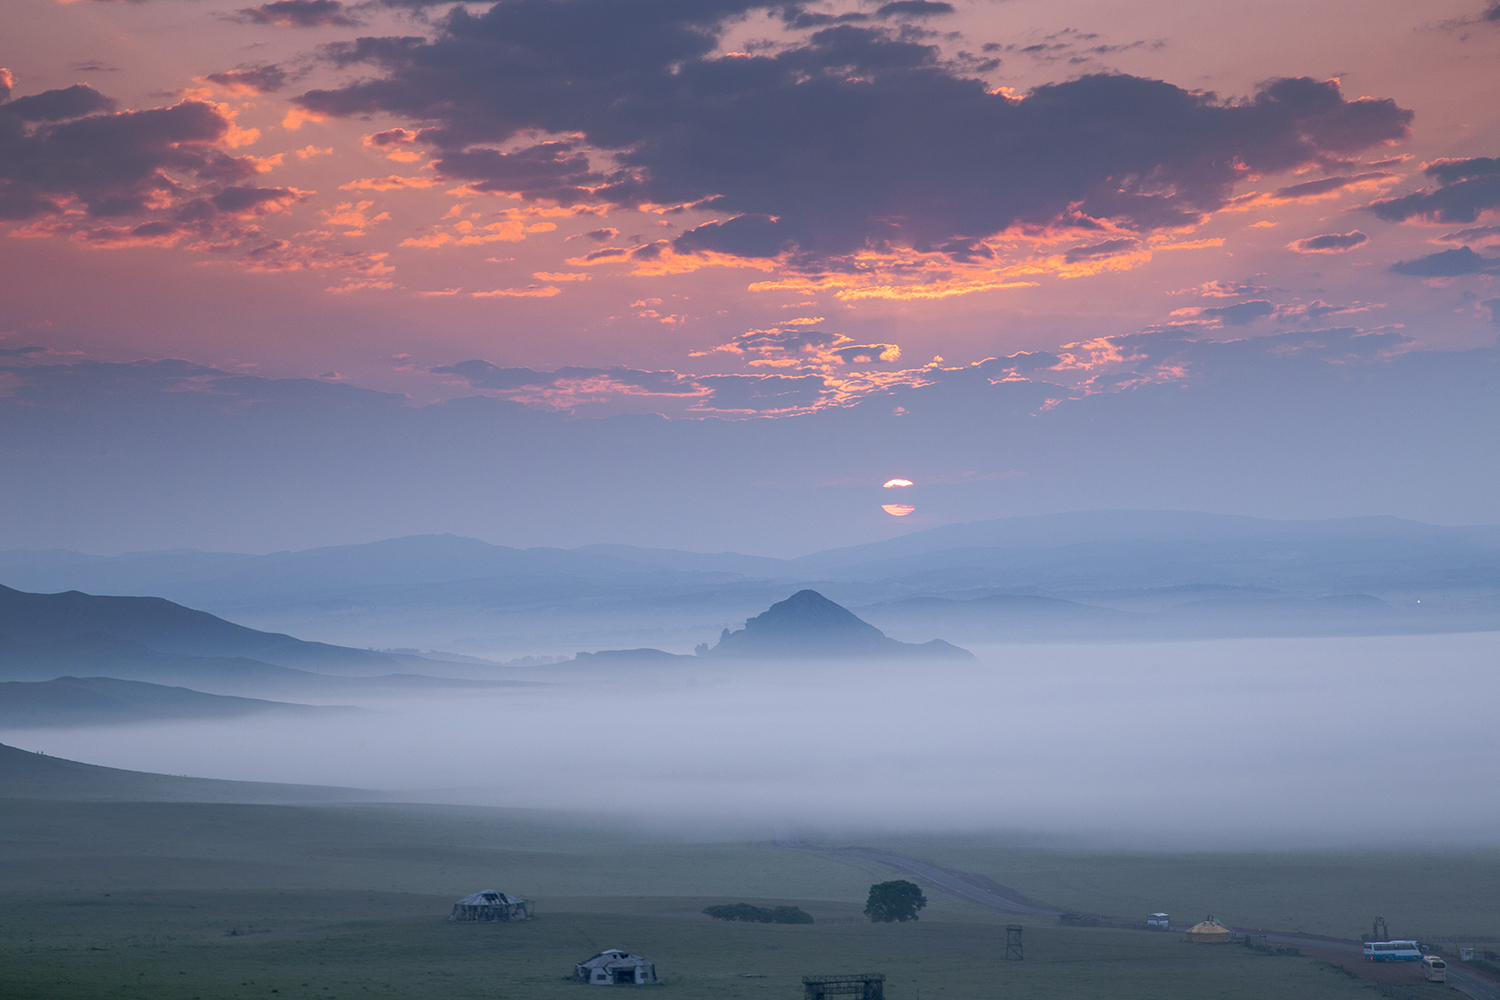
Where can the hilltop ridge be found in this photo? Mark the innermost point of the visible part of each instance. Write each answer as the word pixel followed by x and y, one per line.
pixel 809 625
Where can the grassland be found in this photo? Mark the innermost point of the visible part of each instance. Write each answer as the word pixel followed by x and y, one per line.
pixel 143 901
pixel 1421 893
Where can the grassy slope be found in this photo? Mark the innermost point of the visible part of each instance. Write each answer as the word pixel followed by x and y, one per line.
pixel 26 775
pixel 1337 893
pixel 134 900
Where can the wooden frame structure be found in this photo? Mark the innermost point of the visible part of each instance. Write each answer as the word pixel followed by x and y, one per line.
pixel 1013 943
pixel 866 986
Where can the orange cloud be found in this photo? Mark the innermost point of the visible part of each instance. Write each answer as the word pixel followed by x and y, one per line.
pixel 282 255
pixel 430 242
pixel 396 143
pixel 353 217
pixel 529 292
pixel 810 349
pixel 1307 192
pixel 297 117
pixel 391 183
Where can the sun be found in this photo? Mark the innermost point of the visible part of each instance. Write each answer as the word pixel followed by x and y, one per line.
pixel 892 484
pixel 897 509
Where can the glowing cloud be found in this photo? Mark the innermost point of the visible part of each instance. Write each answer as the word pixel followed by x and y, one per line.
pixel 529 292
pixel 892 484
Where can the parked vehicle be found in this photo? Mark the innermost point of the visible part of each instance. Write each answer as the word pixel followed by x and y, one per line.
pixel 1392 951
pixel 1434 969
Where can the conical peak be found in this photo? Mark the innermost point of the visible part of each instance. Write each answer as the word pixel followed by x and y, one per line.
pixel 809 609
pixel 809 625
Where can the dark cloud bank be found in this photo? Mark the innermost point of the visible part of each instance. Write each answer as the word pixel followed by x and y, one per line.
pixel 299 14
pixel 1464 189
pixel 855 136
pixel 68 145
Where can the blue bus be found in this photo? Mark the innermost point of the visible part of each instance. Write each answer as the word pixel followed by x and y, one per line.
pixel 1392 951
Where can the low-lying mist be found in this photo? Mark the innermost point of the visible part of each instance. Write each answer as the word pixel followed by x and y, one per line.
pixel 1213 744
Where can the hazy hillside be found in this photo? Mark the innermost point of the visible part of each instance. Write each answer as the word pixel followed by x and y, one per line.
pixel 85 701
pixel 1021 618
pixel 100 654
pixel 25 775
pixel 1146 549
pixel 46 636
pixel 164 627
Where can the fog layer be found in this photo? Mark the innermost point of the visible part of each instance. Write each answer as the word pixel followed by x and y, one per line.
pixel 1265 742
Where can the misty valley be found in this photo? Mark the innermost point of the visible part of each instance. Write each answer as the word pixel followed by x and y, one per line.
pixel 1175 716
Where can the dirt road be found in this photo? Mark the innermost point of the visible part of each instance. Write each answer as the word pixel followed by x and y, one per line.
pixel 957 884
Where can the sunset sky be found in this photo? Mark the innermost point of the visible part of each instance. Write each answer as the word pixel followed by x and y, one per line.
pixel 1032 256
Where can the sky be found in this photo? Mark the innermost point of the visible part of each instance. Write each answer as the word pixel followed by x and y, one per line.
pixel 706 273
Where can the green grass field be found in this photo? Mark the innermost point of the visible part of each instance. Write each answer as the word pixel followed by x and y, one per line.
pixel 141 901
pixel 1336 893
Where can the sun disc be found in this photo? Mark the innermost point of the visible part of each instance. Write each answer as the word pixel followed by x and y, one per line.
pixel 891 484
pixel 897 509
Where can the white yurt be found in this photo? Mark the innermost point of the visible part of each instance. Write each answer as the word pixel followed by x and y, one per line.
pixel 615 968
pixel 491 904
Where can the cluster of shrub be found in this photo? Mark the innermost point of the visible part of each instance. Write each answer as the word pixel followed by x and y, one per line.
pixel 760 914
pixel 1268 949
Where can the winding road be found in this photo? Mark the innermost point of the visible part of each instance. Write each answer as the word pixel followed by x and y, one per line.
pixel 950 883
pixel 1459 978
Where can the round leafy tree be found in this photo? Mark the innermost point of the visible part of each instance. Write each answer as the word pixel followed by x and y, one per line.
pixel 892 901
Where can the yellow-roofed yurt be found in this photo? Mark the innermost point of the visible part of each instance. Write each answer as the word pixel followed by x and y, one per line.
pixel 1209 932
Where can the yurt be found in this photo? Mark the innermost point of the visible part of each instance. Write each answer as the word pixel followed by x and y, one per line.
pixel 1209 932
pixel 615 968
pixel 490 905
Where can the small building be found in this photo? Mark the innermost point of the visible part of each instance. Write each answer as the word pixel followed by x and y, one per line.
pixel 1210 931
pixel 615 968
pixel 491 905
pixel 863 986
pixel 1158 922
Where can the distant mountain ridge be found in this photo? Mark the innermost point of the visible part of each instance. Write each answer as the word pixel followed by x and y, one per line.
pixel 1022 618
pixel 148 639
pixel 429 589
pixel 427 560
pixel 164 627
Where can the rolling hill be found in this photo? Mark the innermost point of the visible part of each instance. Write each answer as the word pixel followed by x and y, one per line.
pixel 91 701
pixel 161 626
pixel 26 775
pixel 46 636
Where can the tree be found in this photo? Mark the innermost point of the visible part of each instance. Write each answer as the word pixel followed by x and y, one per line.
pixel 895 900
